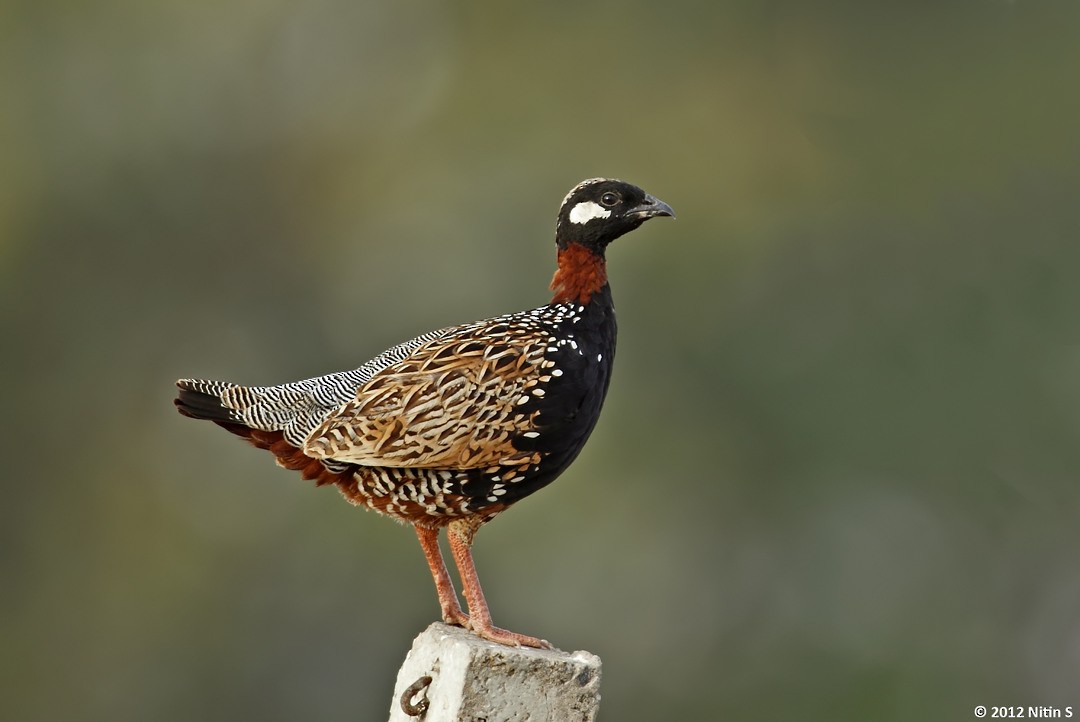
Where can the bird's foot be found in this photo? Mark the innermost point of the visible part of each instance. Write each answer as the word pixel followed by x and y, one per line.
pixel 456 617
pixel 504 636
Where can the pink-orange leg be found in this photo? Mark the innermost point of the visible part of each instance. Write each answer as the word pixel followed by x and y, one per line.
pixel 460 536
pixel 444 586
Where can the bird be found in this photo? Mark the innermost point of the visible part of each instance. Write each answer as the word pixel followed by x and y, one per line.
pixel 451 428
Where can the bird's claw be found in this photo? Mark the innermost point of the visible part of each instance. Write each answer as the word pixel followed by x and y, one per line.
pixel 506 637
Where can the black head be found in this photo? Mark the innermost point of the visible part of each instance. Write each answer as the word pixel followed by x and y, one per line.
pixel 599 210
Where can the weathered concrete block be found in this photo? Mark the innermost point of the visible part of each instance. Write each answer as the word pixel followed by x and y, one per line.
pixel 473 680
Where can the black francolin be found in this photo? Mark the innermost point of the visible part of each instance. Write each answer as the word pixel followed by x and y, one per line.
pixel 454 426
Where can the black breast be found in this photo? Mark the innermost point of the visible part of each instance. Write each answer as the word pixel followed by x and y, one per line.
pixel 581 349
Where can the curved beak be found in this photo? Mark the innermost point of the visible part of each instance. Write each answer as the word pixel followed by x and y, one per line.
pixel 650 208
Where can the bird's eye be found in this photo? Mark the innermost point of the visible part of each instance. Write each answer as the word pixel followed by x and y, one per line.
pixel 609 199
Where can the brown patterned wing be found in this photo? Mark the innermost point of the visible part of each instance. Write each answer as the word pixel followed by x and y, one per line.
pixel 452 404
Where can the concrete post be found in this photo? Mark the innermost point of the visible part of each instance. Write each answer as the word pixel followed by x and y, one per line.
pixel 451 675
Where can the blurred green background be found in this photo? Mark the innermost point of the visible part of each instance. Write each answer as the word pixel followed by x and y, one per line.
pixel 837 473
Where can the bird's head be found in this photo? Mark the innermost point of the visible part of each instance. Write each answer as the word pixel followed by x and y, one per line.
pixel 594 214
pixel 599 210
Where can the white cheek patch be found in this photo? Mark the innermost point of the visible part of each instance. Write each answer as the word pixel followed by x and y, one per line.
pixel 587 211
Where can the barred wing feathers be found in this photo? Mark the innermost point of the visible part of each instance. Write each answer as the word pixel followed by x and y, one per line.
pixel 458 402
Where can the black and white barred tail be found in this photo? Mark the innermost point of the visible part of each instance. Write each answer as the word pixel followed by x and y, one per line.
pixel 294 409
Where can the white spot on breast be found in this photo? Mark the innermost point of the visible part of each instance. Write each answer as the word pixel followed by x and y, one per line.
pixel 587 211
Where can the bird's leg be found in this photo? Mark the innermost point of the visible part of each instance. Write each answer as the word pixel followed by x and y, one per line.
pixel 460 534
pixel 444 586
